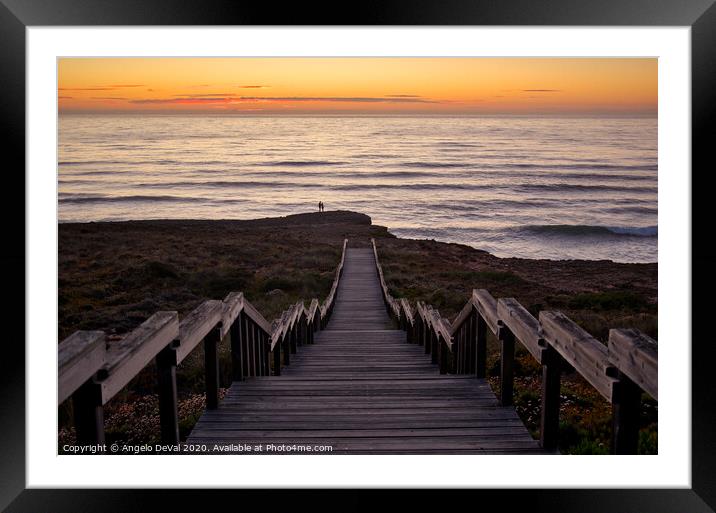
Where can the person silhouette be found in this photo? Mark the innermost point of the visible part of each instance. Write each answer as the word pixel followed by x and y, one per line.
pixel 320 206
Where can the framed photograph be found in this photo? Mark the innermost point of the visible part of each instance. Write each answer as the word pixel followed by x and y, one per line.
pixel 418 248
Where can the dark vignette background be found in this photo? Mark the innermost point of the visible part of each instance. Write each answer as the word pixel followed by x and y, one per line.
pixel 16 15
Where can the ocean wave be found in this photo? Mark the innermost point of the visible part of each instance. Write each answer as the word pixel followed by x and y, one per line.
pixel 477 164
pixel 93 162
pixel 458 144
pixel 432 164
pixel 143 162
pixel 371 186
pixel 633 209
pixel 234 184
pixel 591 230
pixel 82 199
pixel 565 187
pixel 300 163
pixel 639 167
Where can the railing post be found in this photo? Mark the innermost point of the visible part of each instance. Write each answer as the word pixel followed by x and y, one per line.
pixel 237 371
pixel 625 416
pixel 434 346
pixel 211 362
pixel 251 342
pixel 267 354
pixel 258 353
pixel 443 356
pixel 277 358
pixel 88 413
pixel 299 333
pixel 427 337
pixel 549 422
pixel 292 338
pixel 243 329
pixel 286 349
pixel 470 345
pixel 480 345
pixel 507 358
pixel 459 352
pixel 167 378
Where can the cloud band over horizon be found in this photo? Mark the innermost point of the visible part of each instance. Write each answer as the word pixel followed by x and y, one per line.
pixel 451 86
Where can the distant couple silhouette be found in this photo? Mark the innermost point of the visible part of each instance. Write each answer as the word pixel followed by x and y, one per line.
pixel 320 206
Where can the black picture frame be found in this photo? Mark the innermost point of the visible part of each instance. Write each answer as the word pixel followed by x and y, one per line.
pixel 17 15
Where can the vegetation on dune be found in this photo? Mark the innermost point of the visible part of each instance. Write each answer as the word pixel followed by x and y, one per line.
pixel 113 276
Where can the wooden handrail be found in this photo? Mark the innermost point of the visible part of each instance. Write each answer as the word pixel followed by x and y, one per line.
pixel 91 372
pixel 233 306
pixel 636 355
pixel 256 317
pixel 619 371
pixel 196 326
pixel 587 355
pixel 79 358
pixel 524 326
pixel 131 354
pixel 486 305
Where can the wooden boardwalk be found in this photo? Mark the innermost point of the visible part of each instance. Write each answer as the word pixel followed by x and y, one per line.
pixel 362 389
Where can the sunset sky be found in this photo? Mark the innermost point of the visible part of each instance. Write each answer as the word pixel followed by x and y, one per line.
pixel 358 86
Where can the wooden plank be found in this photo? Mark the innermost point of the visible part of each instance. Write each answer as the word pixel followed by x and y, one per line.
pixel 196 325
pixel 487 306
pixel 522 324
pixel 636 355
pixel 385 443
pixel 242 424
pixel 233 306
pixel 485 433
pixel 582 351
pixel 79 357
pixel 131 354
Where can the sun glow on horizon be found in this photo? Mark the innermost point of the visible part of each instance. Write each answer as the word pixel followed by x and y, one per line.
pixel 358 86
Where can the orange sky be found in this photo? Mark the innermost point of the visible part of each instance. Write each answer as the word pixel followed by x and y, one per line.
pixel 360 86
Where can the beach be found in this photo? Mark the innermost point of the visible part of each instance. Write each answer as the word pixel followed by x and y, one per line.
pixel 113 276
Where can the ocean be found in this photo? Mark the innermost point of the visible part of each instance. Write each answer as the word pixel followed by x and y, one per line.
pixel 529 187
